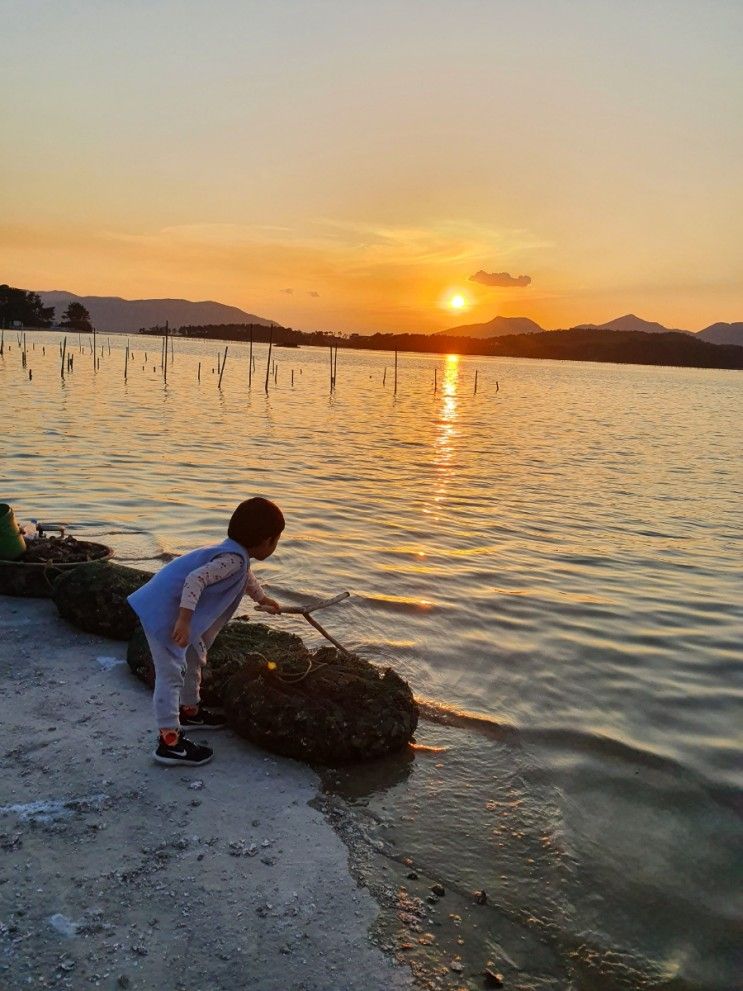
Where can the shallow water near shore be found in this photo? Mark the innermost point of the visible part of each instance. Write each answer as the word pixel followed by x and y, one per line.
pixel 554 564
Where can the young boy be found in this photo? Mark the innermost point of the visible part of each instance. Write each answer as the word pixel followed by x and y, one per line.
pixel 182 609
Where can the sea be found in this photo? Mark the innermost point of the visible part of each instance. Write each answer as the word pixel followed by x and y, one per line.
pixel 550 552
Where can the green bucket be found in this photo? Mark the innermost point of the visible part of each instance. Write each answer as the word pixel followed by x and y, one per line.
pixel 12 544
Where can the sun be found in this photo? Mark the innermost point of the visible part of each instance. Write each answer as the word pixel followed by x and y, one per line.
pixel 457 302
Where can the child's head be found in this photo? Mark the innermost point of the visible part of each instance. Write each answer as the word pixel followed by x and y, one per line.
pixel 257 524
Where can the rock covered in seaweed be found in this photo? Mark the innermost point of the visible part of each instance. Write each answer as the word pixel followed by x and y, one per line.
pixel 46 559
pixel 94 598
pixel 325 707
pixel 241 645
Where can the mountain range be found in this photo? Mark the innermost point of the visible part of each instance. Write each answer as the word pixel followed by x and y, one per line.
pixel 112 313
pixel 716 333
pixel 497 327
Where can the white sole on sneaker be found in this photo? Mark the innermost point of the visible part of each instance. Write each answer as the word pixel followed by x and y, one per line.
pixel 179 761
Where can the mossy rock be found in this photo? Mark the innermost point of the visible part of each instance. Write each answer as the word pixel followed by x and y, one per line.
pixel 324 708
pixel 45 560
pixel 231 651
pixel 94 598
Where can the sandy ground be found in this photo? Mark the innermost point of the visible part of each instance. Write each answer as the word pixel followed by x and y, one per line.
pixel 118 873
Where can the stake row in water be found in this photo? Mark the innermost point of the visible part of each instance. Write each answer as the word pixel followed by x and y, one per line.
pixel 167 358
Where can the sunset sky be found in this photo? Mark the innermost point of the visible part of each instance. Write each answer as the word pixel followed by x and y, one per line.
pixel 348 165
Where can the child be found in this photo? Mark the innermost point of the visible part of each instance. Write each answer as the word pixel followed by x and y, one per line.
pixel 183 607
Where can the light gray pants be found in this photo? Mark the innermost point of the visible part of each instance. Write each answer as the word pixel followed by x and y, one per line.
pixel 178 673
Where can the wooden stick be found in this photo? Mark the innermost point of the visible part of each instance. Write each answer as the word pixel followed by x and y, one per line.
pixel 224 362
pixel 165 366
pixel 306 610
pixel 268 362
pixel 126 361
pixel 64 351
pixel 198 373
pixel 435 384
pixel 395 373
pixel 250 360
pixel 475 392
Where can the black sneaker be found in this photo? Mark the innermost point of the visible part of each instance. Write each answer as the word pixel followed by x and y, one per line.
pixel 204 719
pixel 184 752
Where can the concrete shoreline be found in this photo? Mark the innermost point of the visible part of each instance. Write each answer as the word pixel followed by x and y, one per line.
pixel 118 873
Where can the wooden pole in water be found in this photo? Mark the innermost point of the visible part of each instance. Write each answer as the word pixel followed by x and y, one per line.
pixel 331 368
pixel 435 383
pixel 250 359
pixel 497 387
pixel 165 367
pixel 64 351
pixel 268 362
pixel 384 377
pixel 95 349
pixel 475 392
pixel 198 373
pixel 126 361
pixel 395 372
pixel 292 377
pixel 335 367
pixel 108 340
pixel 224 362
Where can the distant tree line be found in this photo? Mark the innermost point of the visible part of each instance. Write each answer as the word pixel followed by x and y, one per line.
pixel 19 307
pixel 575 344
pixel 260 332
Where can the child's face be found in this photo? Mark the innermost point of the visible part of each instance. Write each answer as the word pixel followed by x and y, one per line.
pixel 265 549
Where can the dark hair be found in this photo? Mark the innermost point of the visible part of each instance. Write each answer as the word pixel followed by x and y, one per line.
pixel 254 521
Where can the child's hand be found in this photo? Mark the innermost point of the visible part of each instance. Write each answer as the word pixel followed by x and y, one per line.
pixel 270 605
pixel 182 631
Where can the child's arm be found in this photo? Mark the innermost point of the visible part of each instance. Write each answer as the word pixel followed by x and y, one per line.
pixel 213 571
pixel 254 590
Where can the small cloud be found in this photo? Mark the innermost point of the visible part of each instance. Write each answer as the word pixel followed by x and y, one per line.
pixel 313 293
pixel 500 279
pixel 289 292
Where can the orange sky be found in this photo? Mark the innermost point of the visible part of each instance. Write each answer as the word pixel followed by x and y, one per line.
pixel 371 158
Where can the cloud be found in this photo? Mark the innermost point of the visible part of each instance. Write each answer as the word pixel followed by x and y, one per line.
pixel 500 279
pixel 289 292
pixel 313 293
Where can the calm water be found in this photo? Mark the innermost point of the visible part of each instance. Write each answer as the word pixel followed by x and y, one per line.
pixel 556 566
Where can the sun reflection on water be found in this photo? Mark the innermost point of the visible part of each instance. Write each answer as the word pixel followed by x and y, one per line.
pixel 445 440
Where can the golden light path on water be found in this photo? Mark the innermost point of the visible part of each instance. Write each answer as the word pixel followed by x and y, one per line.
pixel 554 565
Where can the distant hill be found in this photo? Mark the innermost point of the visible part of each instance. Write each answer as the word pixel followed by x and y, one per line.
pixel 621 346
pixel 497 327
pixel 578 344
pixel 723 333
pixel 113 313
pixel 632 323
